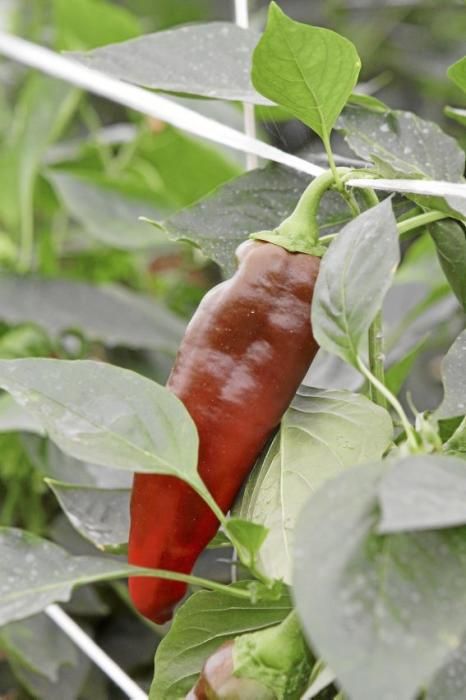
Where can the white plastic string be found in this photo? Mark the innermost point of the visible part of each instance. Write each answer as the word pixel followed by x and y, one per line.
pixel 153 105
pixel 242 20
pixel 94 652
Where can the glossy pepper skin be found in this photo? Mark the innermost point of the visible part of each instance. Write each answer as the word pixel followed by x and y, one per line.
pixel 244 354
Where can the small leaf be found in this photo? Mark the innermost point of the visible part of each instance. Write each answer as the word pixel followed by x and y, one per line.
pixel 422 493
pixel 454 380
pixel 99 515
pixel 385 612
pixel 321 434
pixel 247 537
pixel 310 71
pixel 450 240
pixel 354 276
pixel 201 625
pixel 457 73
pixel 106 415
pixel 400 144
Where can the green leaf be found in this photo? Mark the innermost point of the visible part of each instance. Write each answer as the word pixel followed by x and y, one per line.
pixel 67 686
pixel 450 240
pixel 44 109
pixel 106 415
pixel 201 625
pixel 258 200
pixel 422 493
pixel 35 572
pixel 13 417
pixel 100 515
pixel 449 682
pixel 454 380
pixel 247 537
pixel 457 73
pixel 397 374
pixel 110 23
pixel 310 71
pixel 385 612
pixel 401 144
pixel 458 115
pixel 456 443
pixel 19 641
pixel 180 60
pixel 321 434
pixel 64 305
pixel 354 276
pixel 107 215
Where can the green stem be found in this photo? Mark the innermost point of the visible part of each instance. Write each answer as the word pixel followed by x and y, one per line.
pixel 376 359
pixel 304 217
pixel 202 491
pixel 403 227
pixel 192 580
pixel 333 167
pixel 393 401
pixel 414 222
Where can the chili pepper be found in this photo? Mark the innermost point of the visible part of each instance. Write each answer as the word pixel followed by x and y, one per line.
pixel 244 354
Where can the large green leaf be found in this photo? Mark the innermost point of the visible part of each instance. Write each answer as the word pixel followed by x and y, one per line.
pixel 103 414
pixel 401 144
pixel 354 276
pixel 423 493
pixel 310 71
pixel 450 240
pixel 201 625
pixel 35 572
pixel 181 60
pixel 258 200
pixel 63 305
pixel 385 612
pixel 454 380
pixel 321 434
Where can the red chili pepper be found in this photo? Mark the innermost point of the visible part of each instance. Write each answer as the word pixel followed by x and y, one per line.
pixel 244 354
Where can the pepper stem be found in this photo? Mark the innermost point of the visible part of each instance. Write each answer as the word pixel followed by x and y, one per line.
pixel 299 232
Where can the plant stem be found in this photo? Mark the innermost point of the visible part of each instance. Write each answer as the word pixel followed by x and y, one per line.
pixel 393 401
pixel 193 580
pixel 331 161
pixel 403 227
pixel 304 217
pixel 376 359
pixel 414 222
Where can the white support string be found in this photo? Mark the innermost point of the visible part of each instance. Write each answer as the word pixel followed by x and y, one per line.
pixel 95 653
pixel 242 20
pixel 153 105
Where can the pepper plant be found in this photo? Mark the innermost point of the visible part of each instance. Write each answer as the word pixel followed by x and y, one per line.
pixel 349 533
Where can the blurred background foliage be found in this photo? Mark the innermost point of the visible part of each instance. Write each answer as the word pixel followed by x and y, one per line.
pixel 75 173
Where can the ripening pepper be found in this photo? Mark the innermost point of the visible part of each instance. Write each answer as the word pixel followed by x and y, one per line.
pixel 244 354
